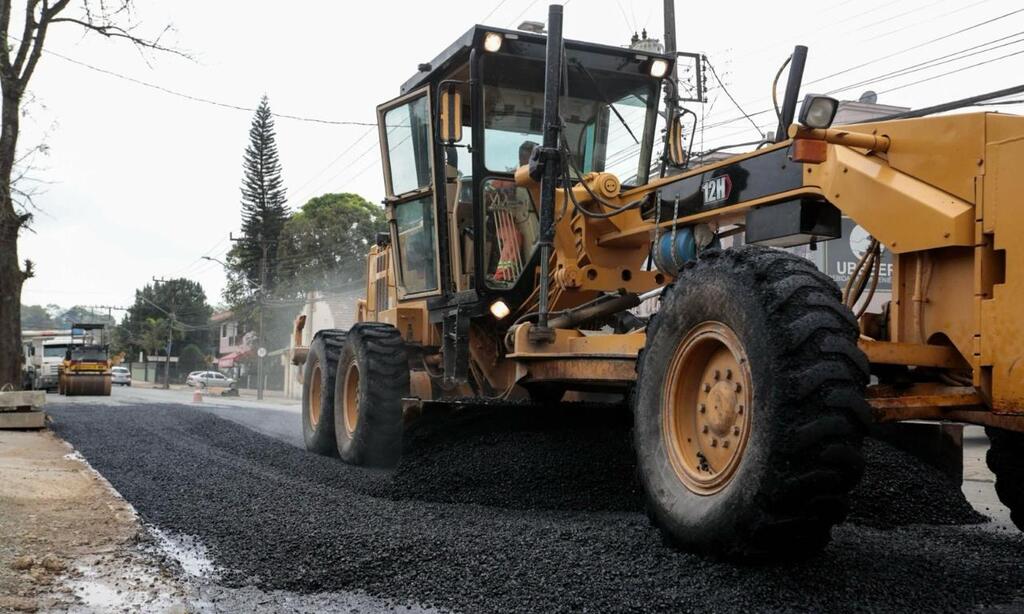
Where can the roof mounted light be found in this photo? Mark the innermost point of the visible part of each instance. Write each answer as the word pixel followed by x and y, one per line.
pixel 658 68
pixel 818 111
pixel 492 42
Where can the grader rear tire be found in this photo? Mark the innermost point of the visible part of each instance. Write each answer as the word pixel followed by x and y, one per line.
pixel 372 379
pixel 318 392
pixel 749 407
pixel 1006 459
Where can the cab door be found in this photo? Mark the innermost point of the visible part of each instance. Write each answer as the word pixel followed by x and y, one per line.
pixel 407 152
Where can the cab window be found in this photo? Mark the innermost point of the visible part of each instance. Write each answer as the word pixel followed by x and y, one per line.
pixel 414 223
pixel 407 139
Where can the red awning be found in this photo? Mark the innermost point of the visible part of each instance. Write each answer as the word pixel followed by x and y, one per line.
pixel 228 360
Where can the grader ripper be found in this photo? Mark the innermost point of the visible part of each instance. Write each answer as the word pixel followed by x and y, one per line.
pixel 525 224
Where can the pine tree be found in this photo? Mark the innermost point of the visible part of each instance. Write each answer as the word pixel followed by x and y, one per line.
pixel 263 202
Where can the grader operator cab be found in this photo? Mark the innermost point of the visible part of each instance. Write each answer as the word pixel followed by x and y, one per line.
pixel 86 367
pixel 529 212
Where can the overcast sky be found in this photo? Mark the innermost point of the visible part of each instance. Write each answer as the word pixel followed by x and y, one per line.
pixel 144 183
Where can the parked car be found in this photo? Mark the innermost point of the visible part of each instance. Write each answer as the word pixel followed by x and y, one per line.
pixel 213 379
pixel 191 379
pixel 120 376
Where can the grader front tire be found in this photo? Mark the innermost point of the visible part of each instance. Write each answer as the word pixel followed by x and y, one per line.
pixel 318 392
pixel 371 381
pixel 749 407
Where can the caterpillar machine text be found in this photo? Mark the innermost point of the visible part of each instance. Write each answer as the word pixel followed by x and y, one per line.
pixel 531 210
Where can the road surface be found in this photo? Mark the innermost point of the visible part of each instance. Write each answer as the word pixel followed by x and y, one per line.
pixel 515 510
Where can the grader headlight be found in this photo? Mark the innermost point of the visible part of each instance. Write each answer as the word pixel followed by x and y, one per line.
pixel 818 111
pixel 492 42
pixel 500 310
pixel 659 68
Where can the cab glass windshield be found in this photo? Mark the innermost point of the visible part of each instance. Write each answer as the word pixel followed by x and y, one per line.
pixel 609 116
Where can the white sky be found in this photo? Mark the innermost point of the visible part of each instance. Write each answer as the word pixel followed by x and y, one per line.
pixel 145 183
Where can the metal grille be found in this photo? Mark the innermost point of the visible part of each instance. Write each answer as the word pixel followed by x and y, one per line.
pixel 381 302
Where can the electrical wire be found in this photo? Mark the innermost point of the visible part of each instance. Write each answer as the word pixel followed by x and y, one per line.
pixel 709 116
pixel 726 90
pixel 200 99
pixel 775 87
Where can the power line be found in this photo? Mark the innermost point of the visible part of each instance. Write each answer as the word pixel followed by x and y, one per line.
pixel 932 78
pixel 917 46
pixel 513 24
pixel 933 63
pixel 726 90
pixel 888 56
pixel 298 190
pixel 192 98
pixel 493 11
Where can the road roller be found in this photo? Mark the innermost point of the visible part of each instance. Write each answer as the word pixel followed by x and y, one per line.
pixel 86 367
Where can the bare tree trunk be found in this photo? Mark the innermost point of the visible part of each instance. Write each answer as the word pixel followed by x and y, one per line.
pixel 11 275
pixel 17 63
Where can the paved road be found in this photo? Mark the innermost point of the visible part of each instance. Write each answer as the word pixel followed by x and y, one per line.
pixel 500 511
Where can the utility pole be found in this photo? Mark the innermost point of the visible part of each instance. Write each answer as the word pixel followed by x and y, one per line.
pixel 260 351
pixel 261 299
pixel 170 339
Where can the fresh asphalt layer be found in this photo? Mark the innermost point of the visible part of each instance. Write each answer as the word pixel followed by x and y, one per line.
pixel 524 509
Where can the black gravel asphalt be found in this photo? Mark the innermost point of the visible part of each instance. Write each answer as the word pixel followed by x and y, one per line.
pixel 494 511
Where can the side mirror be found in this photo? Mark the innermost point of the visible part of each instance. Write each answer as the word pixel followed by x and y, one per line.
pixel 674 136
pixel 450 114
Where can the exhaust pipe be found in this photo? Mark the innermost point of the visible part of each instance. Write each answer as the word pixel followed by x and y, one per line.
pixel 792 95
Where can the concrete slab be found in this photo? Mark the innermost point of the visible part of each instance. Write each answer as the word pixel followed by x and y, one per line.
pixel 22 420
pixel 21 398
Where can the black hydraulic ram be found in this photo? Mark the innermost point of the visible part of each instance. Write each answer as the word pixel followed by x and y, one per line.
pixel 792 95
pixel 546 163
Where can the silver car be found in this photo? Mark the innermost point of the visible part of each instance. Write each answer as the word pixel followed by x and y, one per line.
pixel 213 379
pixel 120 376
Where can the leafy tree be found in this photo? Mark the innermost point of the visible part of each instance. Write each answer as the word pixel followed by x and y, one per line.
pixel 79 314
pixel 154 303
pixel 191 359
pixel 35 317
pixel 263 206
pixel 324 244
pixel 19 56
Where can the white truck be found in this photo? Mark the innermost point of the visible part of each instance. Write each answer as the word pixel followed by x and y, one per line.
pixel 44 352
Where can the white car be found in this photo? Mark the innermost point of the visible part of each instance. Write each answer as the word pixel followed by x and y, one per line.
pixel 120 376
pixel 191 379
pixel 213 379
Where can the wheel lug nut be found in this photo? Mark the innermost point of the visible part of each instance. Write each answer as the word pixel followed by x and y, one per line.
pixel 703 408
pixel 714 443
pixel 718 375
pixel 739 410
pixel 728 374
pixel 737 387
pixel 707 387
pixel 725 443
pixel 736 430
pixel 705 429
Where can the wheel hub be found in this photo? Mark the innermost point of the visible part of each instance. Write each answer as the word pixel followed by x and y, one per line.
pixel 314 396
pixel 351 398
pixel 706 403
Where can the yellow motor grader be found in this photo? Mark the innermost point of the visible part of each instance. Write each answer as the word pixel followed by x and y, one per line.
pixel 85 370
pixel 530 214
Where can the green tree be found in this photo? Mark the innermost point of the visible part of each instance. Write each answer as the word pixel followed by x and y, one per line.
pixel 35 317
pixel 79 314
pixel 263 207
pixel 324 244
pixel 156 302
pixel 191 359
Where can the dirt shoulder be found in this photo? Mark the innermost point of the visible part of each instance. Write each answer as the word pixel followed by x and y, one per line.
pixel 67 541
